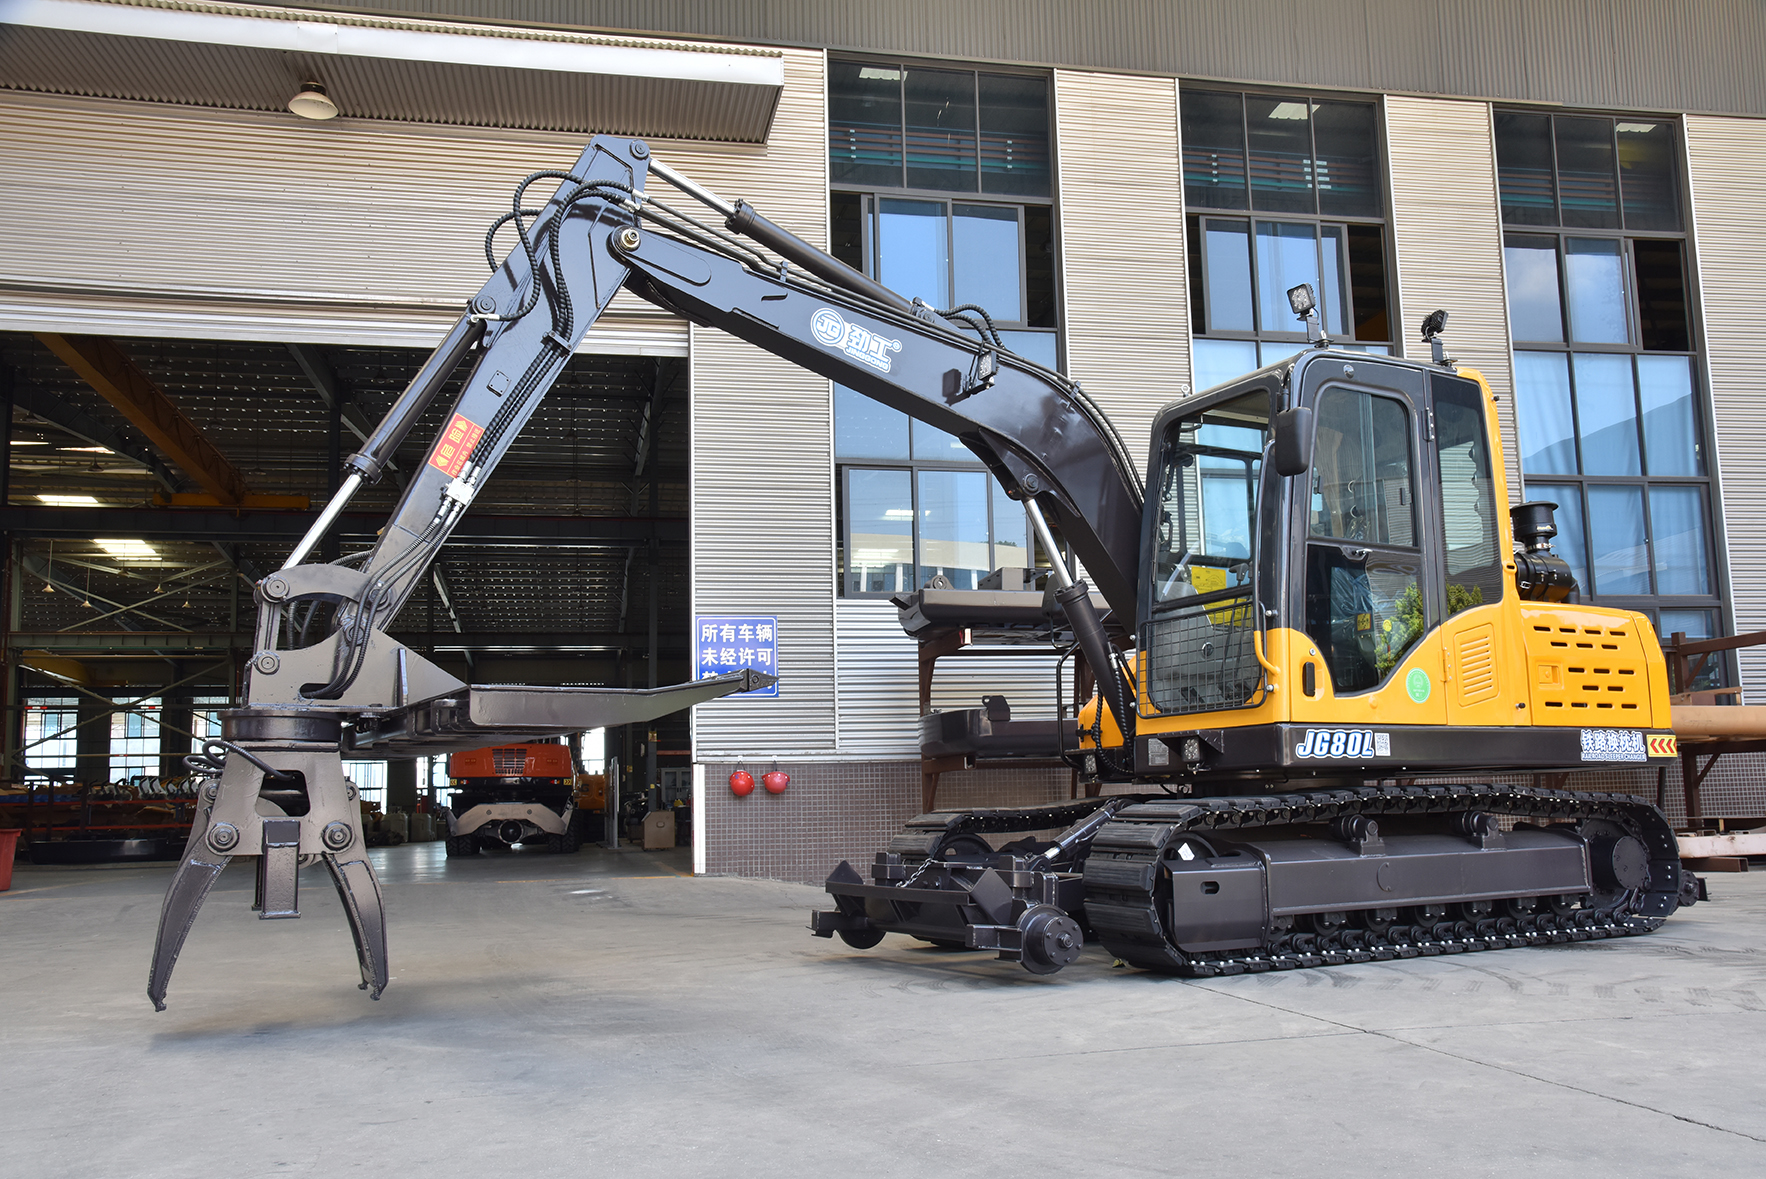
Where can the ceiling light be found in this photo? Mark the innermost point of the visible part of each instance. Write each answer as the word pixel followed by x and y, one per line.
pixel 311 103
pixel 126 548
pixel 70 501
pixel 90 449
pixel 27 442
pixel 1289 110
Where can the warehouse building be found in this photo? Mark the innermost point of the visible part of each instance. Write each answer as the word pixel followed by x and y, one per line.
pixel 209 295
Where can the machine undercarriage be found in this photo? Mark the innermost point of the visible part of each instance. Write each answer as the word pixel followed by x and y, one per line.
pixel 1227 885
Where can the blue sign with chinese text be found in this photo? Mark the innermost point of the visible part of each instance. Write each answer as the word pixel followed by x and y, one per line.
pixel 723 644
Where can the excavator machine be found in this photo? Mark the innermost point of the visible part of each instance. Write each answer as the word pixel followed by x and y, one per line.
pixel 1308 602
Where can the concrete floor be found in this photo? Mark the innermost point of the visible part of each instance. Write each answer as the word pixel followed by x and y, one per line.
pixel 606 1014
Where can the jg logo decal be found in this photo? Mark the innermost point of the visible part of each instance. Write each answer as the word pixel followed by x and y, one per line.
pixel 1344 743
pixel 831 330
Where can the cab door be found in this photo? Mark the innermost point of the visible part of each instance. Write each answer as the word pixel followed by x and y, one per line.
pixel 1367 594
pixel 1479 665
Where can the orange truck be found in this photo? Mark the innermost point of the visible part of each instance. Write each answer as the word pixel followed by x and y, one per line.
pixel 514 794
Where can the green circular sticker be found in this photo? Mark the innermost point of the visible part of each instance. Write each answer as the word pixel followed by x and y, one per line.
pixel 1417 684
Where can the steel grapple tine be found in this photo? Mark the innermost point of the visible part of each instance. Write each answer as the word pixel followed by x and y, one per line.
pixel 359 890
pixel 184 897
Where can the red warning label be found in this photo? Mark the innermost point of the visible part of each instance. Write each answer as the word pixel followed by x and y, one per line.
pixel 1661 745
pixel 456 445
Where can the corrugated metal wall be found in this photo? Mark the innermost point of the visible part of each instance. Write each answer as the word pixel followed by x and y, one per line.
pixel 170 221
pixel 762 482
pixel 879 682
pixel 1674 55
pixel 1726 160
pixel 1447 231
pixel 1123 268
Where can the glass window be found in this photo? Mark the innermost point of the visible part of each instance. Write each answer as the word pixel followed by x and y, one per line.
pixel 1647 168
pixel 1037 346
pixel 1670 426
pixel 1468 499
pixel 953 526
pixel 1367 282
pixel 1524 168
pixel 1014 135
pixel 1617 540
pixel 940 117
pixel 1606 413
pixel 370 780
pixel 864 124
pixel 933 445
pixel 1361 480
pixel 1595 280
pixel 868 429
pixel 1542 408
pixel 1535 306
pixel 1605 393
pixel 1208 499
pixel 1363 614
pixel 134 740
pixel 1587 185
pixel 1572 539
pixel 985 243
pixel 1677 526
pixel 1213 150
pixel 1661 295
pixel 880 531
pixel 1287 255
pixel 1217 361
pixel 898 126
pixel 921 503
pixel 1011 531
pixel 1348 172
pixel 51 739
pixel 1330 285
pixel 1308 160
pixel 1279 134
pixel 913 249
pixel 1228 279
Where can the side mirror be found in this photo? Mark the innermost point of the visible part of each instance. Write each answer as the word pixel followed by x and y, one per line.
pixel 1292 451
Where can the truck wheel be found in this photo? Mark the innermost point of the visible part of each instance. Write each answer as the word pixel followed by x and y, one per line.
pixel 460 846
pixel 570 842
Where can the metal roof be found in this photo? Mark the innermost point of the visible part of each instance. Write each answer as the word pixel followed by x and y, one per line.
pixel 248 57
pixel 1653 55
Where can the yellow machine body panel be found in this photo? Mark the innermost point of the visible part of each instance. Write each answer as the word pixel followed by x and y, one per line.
pixel 1511 664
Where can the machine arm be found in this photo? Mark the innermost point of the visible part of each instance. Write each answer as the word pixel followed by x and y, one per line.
pixel 1036 431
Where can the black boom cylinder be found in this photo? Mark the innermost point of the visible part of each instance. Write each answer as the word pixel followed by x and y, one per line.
pixel 746 221
pixel 1088 631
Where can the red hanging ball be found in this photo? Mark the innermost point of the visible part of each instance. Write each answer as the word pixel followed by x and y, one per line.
pixel 775 781
pixel 741 783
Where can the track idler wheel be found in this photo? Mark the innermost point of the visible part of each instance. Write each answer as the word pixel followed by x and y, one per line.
pixel 861 939
pixel 1050 939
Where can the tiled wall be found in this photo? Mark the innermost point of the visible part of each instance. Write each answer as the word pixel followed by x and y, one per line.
pixel 835 811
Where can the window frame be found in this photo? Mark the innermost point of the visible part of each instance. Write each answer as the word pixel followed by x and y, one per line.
pixel 913 467
pixel 911 63
pixel 869 198
pixel 1719 600
pixel 1194 218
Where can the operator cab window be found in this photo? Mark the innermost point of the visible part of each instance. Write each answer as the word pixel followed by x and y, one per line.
pixel 1364 604
pixel 1468 499
pixel 1208 500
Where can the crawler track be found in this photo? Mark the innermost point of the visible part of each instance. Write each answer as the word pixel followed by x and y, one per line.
pixel 1123 903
